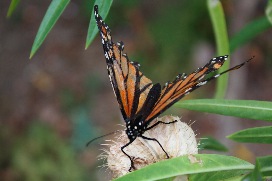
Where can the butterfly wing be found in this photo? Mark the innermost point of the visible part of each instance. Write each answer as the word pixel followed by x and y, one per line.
pixel 183 85
pixel 135 93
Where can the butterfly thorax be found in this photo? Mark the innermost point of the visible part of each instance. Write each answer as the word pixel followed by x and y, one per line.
pixel 134 129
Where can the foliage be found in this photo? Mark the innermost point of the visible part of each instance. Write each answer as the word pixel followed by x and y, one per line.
pixel 12 7
pixel 210 143
pixel 53 13
pixel 250 109
pixel 222 42
pixel 205 164
pixel 40 155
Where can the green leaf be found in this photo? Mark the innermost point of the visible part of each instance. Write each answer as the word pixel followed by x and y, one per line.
pixel 250 109
pixel 104 8
pixel 249 32
pixel 53 13
pixel 253 135
pixel 183 166
pixel 222 43
pixel 255 175
pixel 265 165
pixel 268 11
pixel 263 169
pixel 210 143
pixel 12 7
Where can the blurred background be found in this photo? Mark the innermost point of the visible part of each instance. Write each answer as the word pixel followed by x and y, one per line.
pixel 53 104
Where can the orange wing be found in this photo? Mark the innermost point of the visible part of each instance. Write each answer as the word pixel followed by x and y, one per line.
pixel 130 86
pixel 183 85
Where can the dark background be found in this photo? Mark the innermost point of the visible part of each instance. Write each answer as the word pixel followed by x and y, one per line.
pixel 53 104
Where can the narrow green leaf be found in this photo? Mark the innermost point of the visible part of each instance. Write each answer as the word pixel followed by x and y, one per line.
pixel 104 8
pixel 222 43
pixel 210 143
pixel 268 11
pixel 262 170
pixel 12 7
pixel 53 13
pixel 250 109
pixel 254 175
pixel 253 135
pixel 249 32
pixel 265 164
pixel 183 166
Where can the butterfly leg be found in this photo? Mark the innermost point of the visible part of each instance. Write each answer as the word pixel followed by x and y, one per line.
pixel 160 122
pixel 131 161
pixel 153 139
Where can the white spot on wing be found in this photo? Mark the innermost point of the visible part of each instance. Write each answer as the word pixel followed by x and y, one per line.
pixel 106 55
pixel 201 83
pixel 188 89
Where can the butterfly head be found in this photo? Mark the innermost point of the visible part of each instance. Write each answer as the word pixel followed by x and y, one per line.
pixel 134 129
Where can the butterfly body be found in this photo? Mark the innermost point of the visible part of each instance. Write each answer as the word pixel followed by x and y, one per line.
pixel 140 101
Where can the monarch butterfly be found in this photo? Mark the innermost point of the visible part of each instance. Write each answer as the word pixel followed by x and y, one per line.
pixel 140 100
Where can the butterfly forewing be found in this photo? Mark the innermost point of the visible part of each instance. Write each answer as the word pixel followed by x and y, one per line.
pixel 183 85
pixel 131 87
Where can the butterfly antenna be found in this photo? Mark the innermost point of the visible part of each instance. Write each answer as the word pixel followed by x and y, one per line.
pixel 101 137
